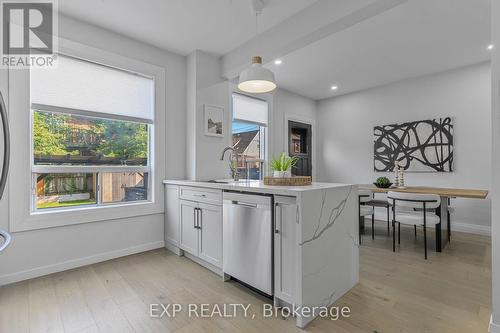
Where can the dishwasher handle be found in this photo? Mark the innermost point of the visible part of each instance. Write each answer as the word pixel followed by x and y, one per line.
pixel 245 204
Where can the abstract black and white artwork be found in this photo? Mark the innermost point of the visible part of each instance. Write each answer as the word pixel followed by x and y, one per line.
pixel 418 146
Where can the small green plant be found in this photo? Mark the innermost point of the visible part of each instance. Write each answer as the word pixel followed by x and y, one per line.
pixel 283 163
pixel 383 182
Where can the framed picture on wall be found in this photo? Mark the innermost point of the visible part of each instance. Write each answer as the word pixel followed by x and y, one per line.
pixel 418 146
pixel 214 120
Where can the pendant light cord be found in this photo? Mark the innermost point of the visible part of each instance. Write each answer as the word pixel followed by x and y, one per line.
pixel 256 24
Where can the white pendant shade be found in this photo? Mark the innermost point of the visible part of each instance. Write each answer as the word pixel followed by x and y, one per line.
pixel 257 79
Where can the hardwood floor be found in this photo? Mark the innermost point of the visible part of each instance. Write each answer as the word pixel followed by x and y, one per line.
pixel 398 292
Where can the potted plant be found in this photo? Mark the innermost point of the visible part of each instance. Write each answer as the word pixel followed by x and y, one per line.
pixel 383 182
pixel 282 165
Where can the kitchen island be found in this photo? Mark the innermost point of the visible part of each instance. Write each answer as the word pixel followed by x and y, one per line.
pixel 315 228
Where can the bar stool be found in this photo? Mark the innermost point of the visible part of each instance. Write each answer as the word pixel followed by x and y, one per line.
pixel 413 209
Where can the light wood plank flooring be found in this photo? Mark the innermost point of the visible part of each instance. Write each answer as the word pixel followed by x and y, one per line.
pixel 398 292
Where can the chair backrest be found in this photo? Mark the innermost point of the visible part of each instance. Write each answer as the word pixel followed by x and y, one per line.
pixel 413 200
pixel 365 195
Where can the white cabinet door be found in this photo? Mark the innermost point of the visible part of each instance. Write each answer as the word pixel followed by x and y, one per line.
pixel 285 248
pixel 172 214
pixel 210 223
pixel 189 227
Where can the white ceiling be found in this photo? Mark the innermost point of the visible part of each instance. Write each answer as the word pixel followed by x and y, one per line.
pixel 413 39
pixel 182 26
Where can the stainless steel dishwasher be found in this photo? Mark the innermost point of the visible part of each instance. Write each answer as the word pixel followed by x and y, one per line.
pixel 247 241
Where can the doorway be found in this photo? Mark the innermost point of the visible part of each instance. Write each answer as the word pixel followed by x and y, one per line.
pixel 300 145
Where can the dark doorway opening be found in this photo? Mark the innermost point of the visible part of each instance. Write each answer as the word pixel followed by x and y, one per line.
pixel 300 145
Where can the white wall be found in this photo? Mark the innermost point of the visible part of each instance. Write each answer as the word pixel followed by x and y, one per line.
pixel 205 86
pixel 191 116
pixel 345 125
pixel 208 149
pixel 39 252
pixel 495 183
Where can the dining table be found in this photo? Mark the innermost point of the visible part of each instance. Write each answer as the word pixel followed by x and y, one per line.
pixel 443 230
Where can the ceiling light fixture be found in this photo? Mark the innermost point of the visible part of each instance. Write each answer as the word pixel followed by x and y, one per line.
pixel 491 47
pixel 257 79
pixel 278 62
pixel 334 87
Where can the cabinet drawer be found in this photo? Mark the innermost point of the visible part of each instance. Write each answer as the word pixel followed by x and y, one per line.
pixel 201 195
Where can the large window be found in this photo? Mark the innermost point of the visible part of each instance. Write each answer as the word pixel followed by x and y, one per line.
pixel 91 135
pixel 249 130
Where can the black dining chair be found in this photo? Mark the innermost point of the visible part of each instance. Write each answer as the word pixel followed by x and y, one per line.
pixel 383 204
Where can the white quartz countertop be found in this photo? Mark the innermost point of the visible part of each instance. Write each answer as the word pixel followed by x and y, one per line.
pixel 256 186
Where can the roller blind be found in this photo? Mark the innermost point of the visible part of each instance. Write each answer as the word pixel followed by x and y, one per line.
pixel 83 85
pixel 250 109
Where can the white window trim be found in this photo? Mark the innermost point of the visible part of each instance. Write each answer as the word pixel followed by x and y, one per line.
pixel 21 217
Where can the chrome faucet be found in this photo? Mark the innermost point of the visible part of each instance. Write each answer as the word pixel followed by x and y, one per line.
pixel 234 171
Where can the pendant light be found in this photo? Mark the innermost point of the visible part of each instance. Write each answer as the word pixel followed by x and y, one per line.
pixel 257 79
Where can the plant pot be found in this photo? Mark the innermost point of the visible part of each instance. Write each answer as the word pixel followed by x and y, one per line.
pixel 287 173
pixel 383 185
pixel 278 174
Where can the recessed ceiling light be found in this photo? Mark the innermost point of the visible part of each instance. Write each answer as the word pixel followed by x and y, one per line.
pixel 278 62
pixel 334 87
pixel 491 47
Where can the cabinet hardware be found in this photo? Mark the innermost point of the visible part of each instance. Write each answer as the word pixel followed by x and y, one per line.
pixel 200 218
pixel 277 205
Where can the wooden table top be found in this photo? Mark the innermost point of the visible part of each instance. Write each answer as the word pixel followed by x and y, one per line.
pixel 443 192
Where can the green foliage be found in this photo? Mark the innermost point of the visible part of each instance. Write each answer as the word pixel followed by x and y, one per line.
pixel 123 139
pixel 47 140
pixel 283 162
pixel 56 135
pixel 382 181
pixel 65 204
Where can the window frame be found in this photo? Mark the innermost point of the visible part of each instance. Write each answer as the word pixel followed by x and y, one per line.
pixel 21 215
pixel 263 133
pixel 98 170
pixel 268 140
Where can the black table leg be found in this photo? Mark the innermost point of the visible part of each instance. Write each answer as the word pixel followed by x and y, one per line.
pixel 439 246
pixel 442 227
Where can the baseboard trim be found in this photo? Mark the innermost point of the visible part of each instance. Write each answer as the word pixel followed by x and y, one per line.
pixel 70 264
pixel 173 248
pixel 471 228
pixel 493 328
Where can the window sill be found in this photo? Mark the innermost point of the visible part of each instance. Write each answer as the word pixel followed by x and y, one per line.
pixel 66 217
